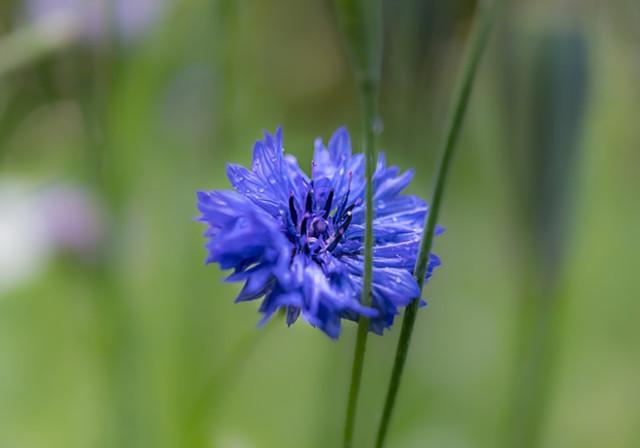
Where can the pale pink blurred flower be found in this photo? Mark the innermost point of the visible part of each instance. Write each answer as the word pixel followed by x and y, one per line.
pixel 95 19
pixel 38 223
pixel 73 219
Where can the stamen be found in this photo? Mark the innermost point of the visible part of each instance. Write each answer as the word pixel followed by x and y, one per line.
pixel 349 211
pixel 327 205
pixel 340 232
pixel 309 203
pixel 341 210
pixel 306 248
pixel 303 226
pixel 292 210
pixel 346 222
pixel 318 226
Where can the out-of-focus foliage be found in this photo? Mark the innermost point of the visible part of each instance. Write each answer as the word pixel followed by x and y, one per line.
pixel 114 333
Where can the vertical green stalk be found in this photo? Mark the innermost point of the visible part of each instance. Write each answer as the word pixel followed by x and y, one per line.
pixel 368 97
pixel 361 25
pixel 478 42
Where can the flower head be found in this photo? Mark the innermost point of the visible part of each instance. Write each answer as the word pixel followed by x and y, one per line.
pixel 298 241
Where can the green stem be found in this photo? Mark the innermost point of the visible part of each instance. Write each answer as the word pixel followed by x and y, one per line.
pixel 356 377
pixel 478 43
pixel 369 96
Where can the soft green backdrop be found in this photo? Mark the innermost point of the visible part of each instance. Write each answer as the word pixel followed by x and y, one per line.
pixel 119 351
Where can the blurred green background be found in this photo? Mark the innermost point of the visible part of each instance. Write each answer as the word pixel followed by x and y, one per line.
pixel 113 333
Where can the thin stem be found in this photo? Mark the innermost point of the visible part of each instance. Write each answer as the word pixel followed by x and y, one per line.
pixel 356 378
pixel 361 24
pixel 369 95
pixel 478 43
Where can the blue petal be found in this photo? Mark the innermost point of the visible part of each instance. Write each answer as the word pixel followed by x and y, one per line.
pixel 275 300
pixel 391 187
pixel 340 147
pixel 395 285
pixel 253 187
pixel 292 314
pixel 258 282
pixel 268 167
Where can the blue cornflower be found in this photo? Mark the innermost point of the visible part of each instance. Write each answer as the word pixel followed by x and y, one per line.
pixel 299 241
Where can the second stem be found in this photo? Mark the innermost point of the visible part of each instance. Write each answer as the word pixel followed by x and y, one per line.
pixel 369 97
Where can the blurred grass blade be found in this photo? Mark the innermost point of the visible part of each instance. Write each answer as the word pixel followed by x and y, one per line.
pixel 558 92
pixel 478 42
pixel 222 379
pixel 27 45
pixel 361 25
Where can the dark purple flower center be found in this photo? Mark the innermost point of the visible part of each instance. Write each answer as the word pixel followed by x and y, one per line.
pixel 316 230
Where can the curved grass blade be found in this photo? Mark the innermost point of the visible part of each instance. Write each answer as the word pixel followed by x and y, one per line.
pixel 478 42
